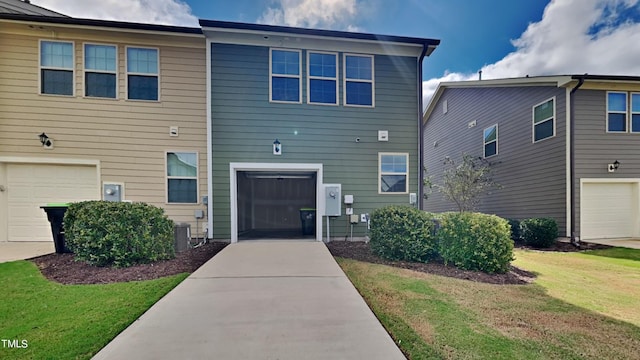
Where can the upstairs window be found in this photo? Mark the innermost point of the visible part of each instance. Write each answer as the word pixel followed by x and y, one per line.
pixel 393 173
pixel 182 177
pixel 635 112
pixel 285 75
pixel 322 86
pixel 617 112
pixel 544 120
pixel 56 68
pixel 491 141
pixel 142 74
pixel 358 80
pixel 100 71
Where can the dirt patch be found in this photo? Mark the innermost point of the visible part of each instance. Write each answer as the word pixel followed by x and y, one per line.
pixel 561 246
pixel 64 269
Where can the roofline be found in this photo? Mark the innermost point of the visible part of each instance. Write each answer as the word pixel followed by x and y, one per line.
pixel 429 43
pixel 606 77
pixel 101 23
pixel 45 9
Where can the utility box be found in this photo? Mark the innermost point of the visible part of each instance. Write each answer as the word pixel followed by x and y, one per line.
pixel 112 192
pixel 181 236
pixel 332 199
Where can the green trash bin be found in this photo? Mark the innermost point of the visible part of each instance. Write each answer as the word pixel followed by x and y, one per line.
pixel 308 219
pixel 55 215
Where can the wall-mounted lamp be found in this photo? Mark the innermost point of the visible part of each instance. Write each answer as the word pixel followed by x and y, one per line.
pixel 613 167
pixel 277 148
pixel 46 142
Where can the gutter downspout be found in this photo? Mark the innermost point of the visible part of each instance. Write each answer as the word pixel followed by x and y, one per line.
pixel 420 199
pixel 572 160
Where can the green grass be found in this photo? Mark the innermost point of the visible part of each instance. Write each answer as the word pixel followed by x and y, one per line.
pixel 68 321
pixel 435 317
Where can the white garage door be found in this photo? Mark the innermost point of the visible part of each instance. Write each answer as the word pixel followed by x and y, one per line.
pixel 30 186
pixel 609 210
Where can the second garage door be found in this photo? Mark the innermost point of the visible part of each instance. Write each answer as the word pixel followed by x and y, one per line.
pixel 609 210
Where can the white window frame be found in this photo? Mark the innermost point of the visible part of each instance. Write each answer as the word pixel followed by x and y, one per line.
pixel 309 77
pixel 485 143
pixel 345 80
pixel 631 112
pixel 626 113
pixel 299 76
pixel 380 173
pixel 533 120
pixel 85 70
pixel 127 73
pixel 73 67
pixel 167 177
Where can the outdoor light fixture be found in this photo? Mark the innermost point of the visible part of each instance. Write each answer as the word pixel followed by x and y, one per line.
pixel 613 167
pixel 46 142
pixel 277 148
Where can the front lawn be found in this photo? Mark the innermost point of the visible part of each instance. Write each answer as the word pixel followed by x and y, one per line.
pixel 432 316
pixel 57 321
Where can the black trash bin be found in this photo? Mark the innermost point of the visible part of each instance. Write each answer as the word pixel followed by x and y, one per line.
pixel 308 218
pixel 55 215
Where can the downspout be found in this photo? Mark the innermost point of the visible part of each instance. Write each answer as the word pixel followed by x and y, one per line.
pixel 420 199
pixel 572 160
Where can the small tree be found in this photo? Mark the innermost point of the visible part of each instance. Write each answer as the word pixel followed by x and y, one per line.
pixel 465 182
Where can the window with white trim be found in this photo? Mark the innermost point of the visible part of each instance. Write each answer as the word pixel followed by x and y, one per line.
pixel 182 177
pixel 100 70
pixel 285 84
pixel 544 126
pixel 635 112
pixel 616 111
pixel 393 173
pixel 358 80
pixel 142 73
pixel 322 78
pixel 56 67
pixel 490 140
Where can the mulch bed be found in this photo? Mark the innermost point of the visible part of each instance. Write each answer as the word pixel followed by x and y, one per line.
pixel 64 269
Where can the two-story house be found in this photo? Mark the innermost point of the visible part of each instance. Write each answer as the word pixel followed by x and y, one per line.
pixel 564 147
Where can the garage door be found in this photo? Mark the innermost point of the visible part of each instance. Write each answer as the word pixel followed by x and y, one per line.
pixel 30 186
pixel 609 210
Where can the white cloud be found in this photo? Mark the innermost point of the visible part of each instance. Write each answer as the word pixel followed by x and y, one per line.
pixel 327 14
pixel 167 12
pixel 573 37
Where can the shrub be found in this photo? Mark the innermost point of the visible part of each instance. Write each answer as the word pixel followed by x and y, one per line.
pixel 474 241
pixel 118 234
pixel 403 233
pixel 539 232
pixel 514 224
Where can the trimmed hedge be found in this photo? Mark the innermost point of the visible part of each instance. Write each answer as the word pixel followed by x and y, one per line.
pixel 539 232
pixel 475 241
pixel 403 233
pixel 118 234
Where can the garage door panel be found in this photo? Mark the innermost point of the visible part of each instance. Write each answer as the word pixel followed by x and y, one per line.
pixel 609 210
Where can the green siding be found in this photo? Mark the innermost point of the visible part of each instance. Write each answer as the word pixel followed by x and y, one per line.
pixel 245 124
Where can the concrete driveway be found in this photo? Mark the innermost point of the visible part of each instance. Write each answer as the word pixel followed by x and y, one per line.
pixel 12 251
pixel 259 300
pixel 632 243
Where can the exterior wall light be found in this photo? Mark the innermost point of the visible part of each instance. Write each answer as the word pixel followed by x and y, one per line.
pixel 46 142
pixel 277 148
pixel 614 166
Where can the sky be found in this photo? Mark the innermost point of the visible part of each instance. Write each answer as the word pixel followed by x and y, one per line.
pixel 501 38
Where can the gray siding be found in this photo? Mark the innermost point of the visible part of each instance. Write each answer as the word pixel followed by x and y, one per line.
pixel 245 124
pixel 532 175
pixel 595 148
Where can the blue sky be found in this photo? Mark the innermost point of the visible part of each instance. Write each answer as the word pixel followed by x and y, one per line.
pixel 503 38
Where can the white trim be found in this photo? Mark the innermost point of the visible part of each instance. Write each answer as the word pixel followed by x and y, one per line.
pixel 625 112
pixel 533 120
pixel 127 73
pixel 372 81
pixel 299 76
pixel 484 143
pixel 167 177
pixel 568 184
pixel 380 173
pixel 309 77
pixel 233 193
pixel 209 144
pixel 84 71
pixel 72 69
pixel 106 182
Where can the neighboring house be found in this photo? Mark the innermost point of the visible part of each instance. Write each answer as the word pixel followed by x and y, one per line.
pixel 564 147
pixel 123 107
pixel 291 110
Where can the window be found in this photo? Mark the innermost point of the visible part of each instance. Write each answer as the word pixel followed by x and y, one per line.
pixel 635 112
pixel 616 112
pixel 543 120
pixel 286 68
pixel 56 68
pixel 490 141
pixel 358 80
pixel 182 177
pixel 322 86
pixel 394 173
pixel 100 70
pixel 142 73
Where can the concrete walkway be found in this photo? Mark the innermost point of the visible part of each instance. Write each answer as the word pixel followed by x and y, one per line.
pixel 12 251
pixel 631 243
pixel 259 300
